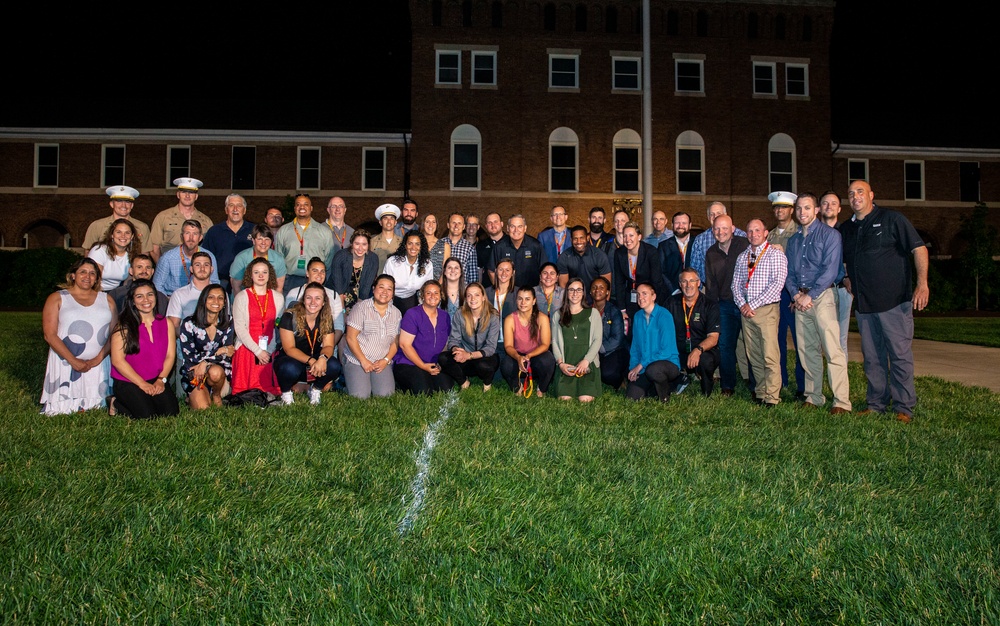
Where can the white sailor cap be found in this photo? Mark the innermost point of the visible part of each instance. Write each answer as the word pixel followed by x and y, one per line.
pixel 782 197
pixel 188 184
pixel 387 209
pixel 122 192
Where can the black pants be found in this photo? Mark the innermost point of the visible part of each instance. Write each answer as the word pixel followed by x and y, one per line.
pixel 405 304
pixel 658 376
pixel 614 367
pixel 543 367
pixel 707 365
pixel 289 371
pixel 412 379
pixel 484 369
pixel 131 401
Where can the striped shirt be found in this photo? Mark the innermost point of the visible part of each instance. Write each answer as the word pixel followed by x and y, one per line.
pixel 376 333
pixel 768 279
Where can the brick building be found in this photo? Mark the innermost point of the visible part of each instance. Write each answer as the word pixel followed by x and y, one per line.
pixel 517 105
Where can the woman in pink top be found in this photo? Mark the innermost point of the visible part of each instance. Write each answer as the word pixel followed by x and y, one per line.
pixel 143 347
pixel 527 335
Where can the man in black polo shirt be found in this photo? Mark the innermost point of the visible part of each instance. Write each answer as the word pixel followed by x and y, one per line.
pixel 484 249
pixel 720 265
pixel 525 251
pixel 696 318
pixel 583 260
pixel 877 247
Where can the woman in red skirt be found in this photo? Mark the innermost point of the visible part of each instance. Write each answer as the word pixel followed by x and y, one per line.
pixel 255 309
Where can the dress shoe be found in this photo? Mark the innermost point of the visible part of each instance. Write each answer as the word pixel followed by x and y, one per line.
pixel 809 405
pixel 903 417
pixel 868 412
pixel 838 410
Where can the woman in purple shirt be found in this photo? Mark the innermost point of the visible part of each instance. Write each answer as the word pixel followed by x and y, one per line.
pixel 143 347
pixel 423 334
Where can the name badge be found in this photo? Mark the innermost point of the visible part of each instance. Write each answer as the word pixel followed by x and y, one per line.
pixel 635 296
pixel 302 263
pixel 262 343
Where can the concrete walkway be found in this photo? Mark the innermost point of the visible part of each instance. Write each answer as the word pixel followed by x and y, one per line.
pixel 970 365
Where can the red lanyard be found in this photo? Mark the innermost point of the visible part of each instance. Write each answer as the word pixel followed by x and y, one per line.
pixel 687 317
pixel 263 310
pixel 560 242
pixel 312 340
pixel 184 261
pixel 333 229
pixel 302 237
pixel 751 267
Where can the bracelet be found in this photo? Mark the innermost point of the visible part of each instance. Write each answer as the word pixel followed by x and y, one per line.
pixel 700 348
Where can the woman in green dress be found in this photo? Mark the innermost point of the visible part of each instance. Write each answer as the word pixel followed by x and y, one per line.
pixel 576 344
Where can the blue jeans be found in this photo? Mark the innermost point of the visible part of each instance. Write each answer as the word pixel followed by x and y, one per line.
pixel 785 323
pixel 730 322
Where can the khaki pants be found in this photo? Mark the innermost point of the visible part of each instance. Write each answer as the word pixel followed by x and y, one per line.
pixel 818 331
pixel 760 333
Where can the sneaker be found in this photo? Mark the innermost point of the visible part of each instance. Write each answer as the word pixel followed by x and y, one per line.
pixel 314 396
pixel 287 398
pixel 682 384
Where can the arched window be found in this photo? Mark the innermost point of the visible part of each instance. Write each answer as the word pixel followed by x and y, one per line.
pixel 611 20
pixel 563 159
pixel 781 163
pixel 779 26
pixel 549 16
pixel 581 18
pixel 627 160
pixel 690 162
pixel 466 152
pixel 701 23
pixel 496 14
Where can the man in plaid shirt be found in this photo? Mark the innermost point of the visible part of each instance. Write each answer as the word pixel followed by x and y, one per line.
pixel 757 283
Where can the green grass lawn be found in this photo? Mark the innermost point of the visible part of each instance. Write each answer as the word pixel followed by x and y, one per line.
pixel 704 511
pixel 975 331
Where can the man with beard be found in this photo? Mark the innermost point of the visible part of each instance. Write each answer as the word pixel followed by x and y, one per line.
pixel 274 218
pixel 583 260
pixel 461 249
pixel 122 200
pixel 177 264
pixel 336 208
pixel 484 249
pixel 183 301
pixel 758 281
pixel 878 244
pixel 814 260
pixel 141 268
pixel 408 218
pixel 300 240
pixel 782 203
pixel 829 211
pixel 705 240
pixel 696 319
pixel 165 232
pixel 599 238
pixel 673 252
pixel 720 266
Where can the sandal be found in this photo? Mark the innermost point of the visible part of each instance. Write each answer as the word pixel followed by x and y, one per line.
pixel 110 400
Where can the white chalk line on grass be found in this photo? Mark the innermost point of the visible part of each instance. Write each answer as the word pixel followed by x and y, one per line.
pixel 418 488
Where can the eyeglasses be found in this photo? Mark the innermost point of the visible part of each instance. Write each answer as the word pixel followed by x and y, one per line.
pixel 575 290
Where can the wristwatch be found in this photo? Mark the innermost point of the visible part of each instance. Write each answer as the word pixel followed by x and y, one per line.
pixel 164 379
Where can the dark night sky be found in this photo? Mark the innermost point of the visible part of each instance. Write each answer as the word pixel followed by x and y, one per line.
pixel 915 79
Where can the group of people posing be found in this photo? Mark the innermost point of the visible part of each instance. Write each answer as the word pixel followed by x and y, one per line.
pixel 310 306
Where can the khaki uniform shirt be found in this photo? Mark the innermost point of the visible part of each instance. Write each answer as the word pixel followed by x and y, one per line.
pixel 166 229
pixel 98 228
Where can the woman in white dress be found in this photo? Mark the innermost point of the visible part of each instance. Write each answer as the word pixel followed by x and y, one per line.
pixel 76 323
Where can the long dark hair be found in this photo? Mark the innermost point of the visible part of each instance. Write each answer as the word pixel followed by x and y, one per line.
pixel 108 242
pixel 444 283
pixel 533 319
pixel 130 318
pixel 200 315
pixel 565 317
pixel 422 257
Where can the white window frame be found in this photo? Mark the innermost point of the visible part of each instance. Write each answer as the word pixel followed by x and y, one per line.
pixel 565 55
pixel 104 163
pixel 38 165
pixel 627 57
pixel 437 68
pixel 694 59
pixel 299 168
pixel 365 169
pixel 466 135
pixel 851 179
pixel 907 180
pixel 774 78
pixel 627 139
pixel 170 166
pixel 782 143
pixel 565 137
pixel 805 76
pixel 475 54
pixel 690 140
